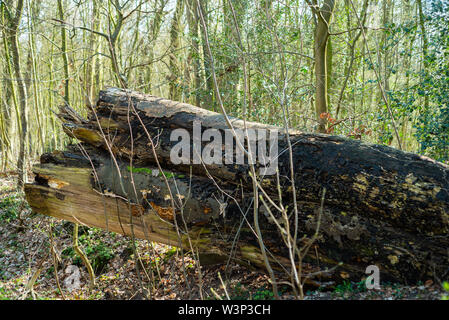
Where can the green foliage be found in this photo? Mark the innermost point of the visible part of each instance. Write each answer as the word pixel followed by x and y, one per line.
pixel 139 170
pixel 397 291
pixel 426 102
pixel 168 175
pixel 264 293
pixel 9 207
pixel 98 253
pixel 6 294
pixel 350 287
pixel 446 288
pixel 170 253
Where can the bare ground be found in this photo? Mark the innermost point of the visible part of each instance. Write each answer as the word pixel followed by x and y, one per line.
pixel 162 272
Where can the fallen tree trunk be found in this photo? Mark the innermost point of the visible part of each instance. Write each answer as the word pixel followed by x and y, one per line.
pixel 381 206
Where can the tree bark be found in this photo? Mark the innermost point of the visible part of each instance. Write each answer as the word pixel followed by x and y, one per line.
pixel 153 35
pixel 323 17
pixel 209 101
pixel 194 51
pixel 425 45
pixel 65 58
pixel 91 71
pixel 13 24
pixel 381 206
pixel 175 45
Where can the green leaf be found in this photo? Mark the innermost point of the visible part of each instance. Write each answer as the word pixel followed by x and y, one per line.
pixel 446 286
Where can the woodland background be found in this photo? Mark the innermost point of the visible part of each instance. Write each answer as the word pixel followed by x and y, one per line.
pixel 373 70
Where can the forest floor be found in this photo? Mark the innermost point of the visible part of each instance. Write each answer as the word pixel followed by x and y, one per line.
pixel 25 246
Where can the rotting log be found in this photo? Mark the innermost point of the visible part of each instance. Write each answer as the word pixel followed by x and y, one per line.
pixel 382 206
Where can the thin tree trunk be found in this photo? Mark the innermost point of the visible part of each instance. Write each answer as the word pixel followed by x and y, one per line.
pixel 153 34
pixel 40 120
pixel 351 54
pixel 93 46
pixel 10 82
pixel 323 16
pixel 64 54
pixel 175 74
pixel 13 27
pixel 192 18
pixel 329 56
pixel 425 45
pixel 112 45
pixel 209 89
